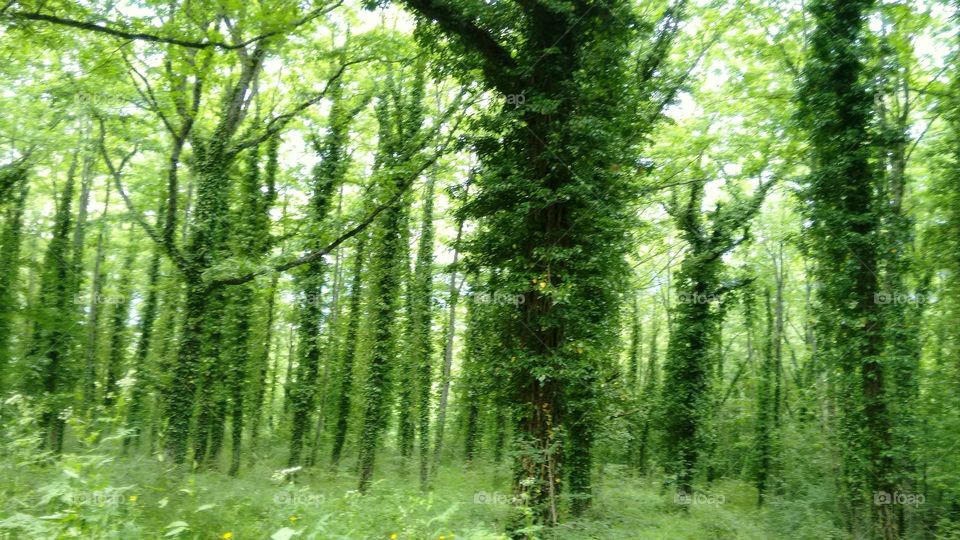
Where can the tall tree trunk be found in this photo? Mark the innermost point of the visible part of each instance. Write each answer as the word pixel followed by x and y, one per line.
pixel 453 297
pixel 145 378
pixel 93 314
pixel 648 396
pixel 549 235
pixel 52 340
pixel 197 364
pixel 345 389
pixel 400 119
pixel 841 206
pixel 80 229
pixel 423 316
pixel 405 369
pixel 384 313
pixel 696 324
pixel 327 177
pixel 10 240
pixel 118 329
pixel 766 421
pixel 262 365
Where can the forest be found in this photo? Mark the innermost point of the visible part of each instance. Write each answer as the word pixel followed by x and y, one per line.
pixel 480 269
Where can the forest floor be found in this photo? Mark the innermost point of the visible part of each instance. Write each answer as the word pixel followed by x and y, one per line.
pixel 96 496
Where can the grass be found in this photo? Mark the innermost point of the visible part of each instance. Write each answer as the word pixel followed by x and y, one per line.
pixel 98 497
pixel 94 495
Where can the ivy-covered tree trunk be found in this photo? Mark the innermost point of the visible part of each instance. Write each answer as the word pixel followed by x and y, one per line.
pixel 52 349
pixel 212 403
pixel 766 423
pixel 636 347
pixel 385 281
pixel 648 398
pixel 11 238
pixel 93 314
pixel 685 393
pixel 553 208
pixel 632 381
pixel 422 322
pixel 476 380
pixel 80 228
pixel 250 238
pixel 118 329
pixel 197 363
pixel 345 389
pixel 327 177
pixel 303 384
pixel 453 298
pixel 331 345
pixel 691 350
pixel 145 377
pixel 261 397
pixel 903 308
pixel 169 322
pixel 405 370
pixel 844 222
pixel 400 119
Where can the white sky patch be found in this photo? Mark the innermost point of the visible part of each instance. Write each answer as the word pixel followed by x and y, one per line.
pixel 732 169
pixel 128 9
pixel 685 106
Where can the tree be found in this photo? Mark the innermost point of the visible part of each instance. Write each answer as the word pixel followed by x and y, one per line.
pixel 422 315
pixel 13 178
pixel 837 110
pixel 349 354
pixel 327 177
pixel 51 352
pixel 118 329
pixel 698 313
pixel 400 121
pixel 559 233
pixel 453 298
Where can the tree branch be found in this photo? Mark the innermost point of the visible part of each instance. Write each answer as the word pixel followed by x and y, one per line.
pixel 153 38
pixel 275 124
pixel 498 64
pixel 115 173
pixel 317 254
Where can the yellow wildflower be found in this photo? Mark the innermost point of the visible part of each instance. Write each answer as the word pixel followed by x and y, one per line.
pixel 393 536
pixel 133 498
pixel 227 535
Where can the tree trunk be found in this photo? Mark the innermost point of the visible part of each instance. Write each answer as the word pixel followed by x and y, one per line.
pixel 453 295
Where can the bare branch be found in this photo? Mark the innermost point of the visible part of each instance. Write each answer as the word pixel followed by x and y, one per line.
pixel 116 174
pixel 153 38
pixel 277 123
pixel 148 95
pixel 358 228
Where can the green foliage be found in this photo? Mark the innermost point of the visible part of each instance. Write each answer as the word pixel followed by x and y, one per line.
pixel 698 261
